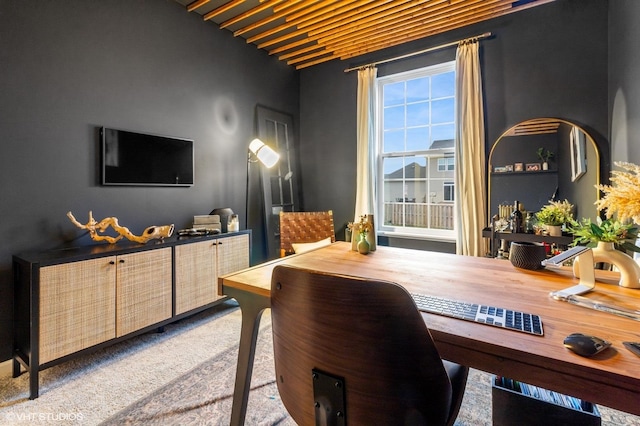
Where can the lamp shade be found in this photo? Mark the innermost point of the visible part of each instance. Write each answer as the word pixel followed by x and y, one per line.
pixel 264 153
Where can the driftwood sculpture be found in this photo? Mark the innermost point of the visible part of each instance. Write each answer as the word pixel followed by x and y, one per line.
pixel 96 228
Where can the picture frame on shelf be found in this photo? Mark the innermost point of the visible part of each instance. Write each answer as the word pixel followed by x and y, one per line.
pixel 500 169
pixel 533 167
pixel 509 167
pixel 518 167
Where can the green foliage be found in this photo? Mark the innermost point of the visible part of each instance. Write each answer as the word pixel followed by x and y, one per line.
pixel 555 213
pixel 544 155
pixel 588 233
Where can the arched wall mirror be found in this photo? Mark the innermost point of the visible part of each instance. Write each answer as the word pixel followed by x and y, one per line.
pixel 516 171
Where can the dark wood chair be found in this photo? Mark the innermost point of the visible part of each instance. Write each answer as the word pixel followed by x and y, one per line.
pixel 304 227
pixel 354 351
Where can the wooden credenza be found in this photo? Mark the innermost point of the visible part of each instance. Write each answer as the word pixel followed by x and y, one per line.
pixel 74 301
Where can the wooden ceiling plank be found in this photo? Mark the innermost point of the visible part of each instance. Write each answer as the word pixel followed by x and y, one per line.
pixel 329 10
pixel 285 37
pixel 381 24
pixel 371 38
pixel 298 52
pixel 290 46
pixel 306 58
pixel 287 24
pixel 275 16
pixel 316 62
pixel 315 37
pixel 249 13
pixel 404 38
pixel 196 4
pixel 316 31
pixel 491 14
pixel 222 9
pixel 353 13
pixel 396 8
pixel 296 3
pixel 390 29
pixel 378 43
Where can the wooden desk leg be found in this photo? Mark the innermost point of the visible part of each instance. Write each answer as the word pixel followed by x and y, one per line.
pixel 252 307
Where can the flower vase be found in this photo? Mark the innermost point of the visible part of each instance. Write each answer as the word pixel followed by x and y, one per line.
pixel 607 253
pixel 554 230
pixel 363 244
pixel 371 235
pixel 545 166
pixel 355 236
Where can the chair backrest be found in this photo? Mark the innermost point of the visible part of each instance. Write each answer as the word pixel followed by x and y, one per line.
pixel 304 227
pixel 367 332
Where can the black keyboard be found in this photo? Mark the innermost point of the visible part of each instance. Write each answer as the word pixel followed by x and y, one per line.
pixel 490 315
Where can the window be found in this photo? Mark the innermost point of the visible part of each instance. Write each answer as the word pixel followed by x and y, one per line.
pixel 447 189
pixel 416 152
pixel 445 164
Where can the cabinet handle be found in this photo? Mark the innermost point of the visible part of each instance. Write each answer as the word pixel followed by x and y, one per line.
pixel 121 261
pixel 112 263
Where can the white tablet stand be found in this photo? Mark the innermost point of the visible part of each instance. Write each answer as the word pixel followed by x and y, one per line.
pixel 587 272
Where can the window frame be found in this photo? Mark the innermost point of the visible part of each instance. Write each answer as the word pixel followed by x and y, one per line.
pixel 379 155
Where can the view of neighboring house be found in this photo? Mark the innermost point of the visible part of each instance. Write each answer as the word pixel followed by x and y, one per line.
pixel 422 192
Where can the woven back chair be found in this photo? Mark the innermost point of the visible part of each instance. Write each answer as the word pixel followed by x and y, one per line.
pixel 355 351
pixel 304 227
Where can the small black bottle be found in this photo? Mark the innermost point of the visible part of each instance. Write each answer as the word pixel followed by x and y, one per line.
pixel 517 225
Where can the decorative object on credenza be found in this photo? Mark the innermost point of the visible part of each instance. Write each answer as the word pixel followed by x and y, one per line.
pixel 209 223
pixel 96 228
pixel 527 255
pixel 224 215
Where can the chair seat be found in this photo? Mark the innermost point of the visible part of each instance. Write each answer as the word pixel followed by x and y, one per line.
pixel 368 333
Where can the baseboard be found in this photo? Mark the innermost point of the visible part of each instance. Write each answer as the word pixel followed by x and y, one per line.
pixel 6 368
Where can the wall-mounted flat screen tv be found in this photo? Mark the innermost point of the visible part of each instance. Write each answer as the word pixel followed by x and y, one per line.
pixel 137 159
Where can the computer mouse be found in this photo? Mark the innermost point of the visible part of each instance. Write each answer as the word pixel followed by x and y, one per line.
pixel 585 345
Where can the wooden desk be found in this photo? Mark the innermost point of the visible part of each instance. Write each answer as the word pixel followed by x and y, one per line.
pixel 612 378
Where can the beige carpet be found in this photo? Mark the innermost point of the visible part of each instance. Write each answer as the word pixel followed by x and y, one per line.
pixel 183 376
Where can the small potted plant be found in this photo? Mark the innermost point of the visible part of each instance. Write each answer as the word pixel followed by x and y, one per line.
pixel 544 155
pixel 590 234
pixel 554 215
pixel 610 240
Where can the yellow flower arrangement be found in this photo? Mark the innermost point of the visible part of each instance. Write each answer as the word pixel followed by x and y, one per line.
pixel 363 227
pixel 622 198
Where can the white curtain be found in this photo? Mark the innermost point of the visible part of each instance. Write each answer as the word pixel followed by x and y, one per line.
pixel 365 195
pixel 470 152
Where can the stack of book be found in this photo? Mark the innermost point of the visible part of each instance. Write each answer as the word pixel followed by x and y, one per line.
pixel 208 223
pixel 520 403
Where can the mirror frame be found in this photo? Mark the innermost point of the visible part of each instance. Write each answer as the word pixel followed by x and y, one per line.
pixel 512 129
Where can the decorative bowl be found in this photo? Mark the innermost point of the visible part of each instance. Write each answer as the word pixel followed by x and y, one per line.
pixel 527 255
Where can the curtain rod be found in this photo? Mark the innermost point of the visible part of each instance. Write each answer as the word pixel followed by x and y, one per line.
pixel 431 49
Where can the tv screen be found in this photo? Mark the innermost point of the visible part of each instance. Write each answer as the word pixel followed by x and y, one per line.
pixel 137 159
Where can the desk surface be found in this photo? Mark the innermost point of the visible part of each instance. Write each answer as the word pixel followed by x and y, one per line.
pixel 611 378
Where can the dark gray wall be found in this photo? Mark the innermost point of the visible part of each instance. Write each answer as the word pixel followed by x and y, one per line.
pixel 147 65
pixel 624 81
pixel 548 61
